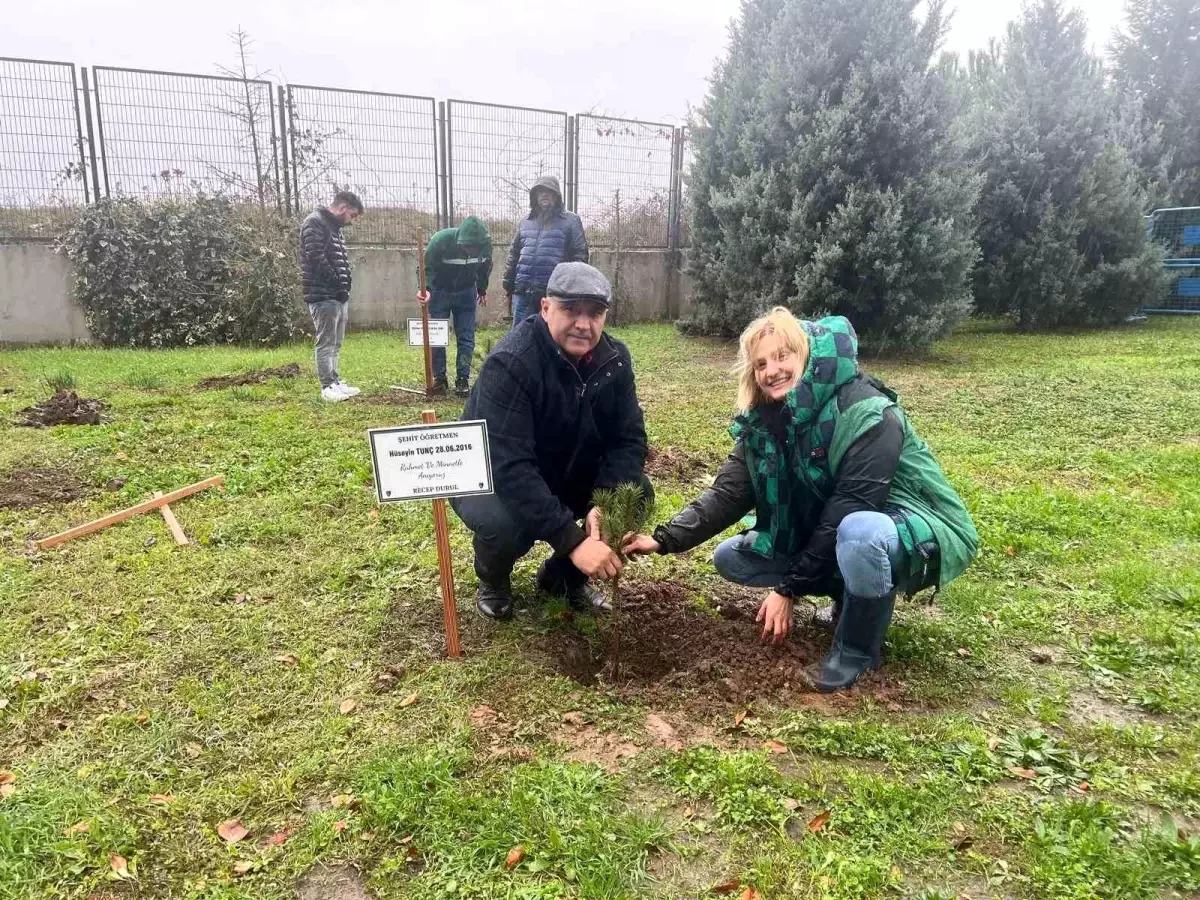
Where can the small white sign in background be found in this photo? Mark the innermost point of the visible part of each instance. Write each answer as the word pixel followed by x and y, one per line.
pixel 424 462
pixel 439 333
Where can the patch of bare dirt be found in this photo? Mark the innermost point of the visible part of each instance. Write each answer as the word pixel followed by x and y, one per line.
pixel 672 650
pixel 257 376
pixel 64 408
pixel 332 883
pixel 404 398
pixel 36 487
pixel 1085 708
pixel 677 465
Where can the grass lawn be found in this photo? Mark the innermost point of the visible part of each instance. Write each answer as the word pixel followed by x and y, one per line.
pixel 1034 732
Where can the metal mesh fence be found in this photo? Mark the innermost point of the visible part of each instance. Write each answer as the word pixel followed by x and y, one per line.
pixel 496 153
pixel 624 181
pixel 687 158
pixel 164 134
pixel 42 163
pixel 381 146
pixel 1178 231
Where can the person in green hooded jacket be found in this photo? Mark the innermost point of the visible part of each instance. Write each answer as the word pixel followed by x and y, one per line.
pixel 850 502
pixel 458 266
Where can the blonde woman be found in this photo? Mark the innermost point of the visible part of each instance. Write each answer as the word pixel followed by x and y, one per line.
pixel 850 502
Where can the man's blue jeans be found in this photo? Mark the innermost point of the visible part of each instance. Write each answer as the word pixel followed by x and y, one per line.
pixel 524 306
pixel 870 557
pixel 461 306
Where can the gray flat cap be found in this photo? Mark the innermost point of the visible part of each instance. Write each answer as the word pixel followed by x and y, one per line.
pixel 579 281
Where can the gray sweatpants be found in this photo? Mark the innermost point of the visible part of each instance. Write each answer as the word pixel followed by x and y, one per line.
pixel 329 318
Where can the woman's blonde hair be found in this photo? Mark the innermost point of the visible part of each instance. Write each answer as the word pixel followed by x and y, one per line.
pixel 778 321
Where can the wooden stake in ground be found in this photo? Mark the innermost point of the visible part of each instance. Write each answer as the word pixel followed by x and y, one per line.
pixel 424 314
pixel 172 523
pixel 445 563
pixel 154 503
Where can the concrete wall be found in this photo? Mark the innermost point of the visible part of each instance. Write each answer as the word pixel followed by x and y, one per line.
pixel 35 297
pixel 36 305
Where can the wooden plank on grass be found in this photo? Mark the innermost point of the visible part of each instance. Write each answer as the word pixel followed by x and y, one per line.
pixel 123 514
pixel 172 523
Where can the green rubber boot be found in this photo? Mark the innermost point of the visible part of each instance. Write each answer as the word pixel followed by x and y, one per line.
pixel 857 643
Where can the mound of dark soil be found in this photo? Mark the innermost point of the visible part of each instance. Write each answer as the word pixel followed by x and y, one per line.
pixel 404 398
pixel 258 376
pixel 64 408
pixel 670 644
pixel 35 487
pixel 678 465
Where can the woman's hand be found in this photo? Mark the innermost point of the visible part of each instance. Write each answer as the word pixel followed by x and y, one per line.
pixel 775 614
pixel 638 544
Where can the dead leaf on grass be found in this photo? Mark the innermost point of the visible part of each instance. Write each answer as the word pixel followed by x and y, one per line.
pixel 242 866
pixel 232 831
pixel 790 804
pixel 288 659
pixel 278 838
pixel 77 828
pixel 348 706
pixel 1027 774
pixel 818 822
pixel 515 855
pixel 775 746
pixel 409 700
pixel 193 750
pixel 340 825
pixel 119 866
pixel 481 716
pixel 750 894
pixel 344 801
pixel 367 836
pixel 740 718
pixel 7 777
pixel 726 887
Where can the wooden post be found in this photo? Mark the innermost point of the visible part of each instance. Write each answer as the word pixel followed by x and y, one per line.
pixel 424 313
pixel 445 563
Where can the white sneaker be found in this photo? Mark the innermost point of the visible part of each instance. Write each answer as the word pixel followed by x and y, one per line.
pixel 331 394
pixel 347 389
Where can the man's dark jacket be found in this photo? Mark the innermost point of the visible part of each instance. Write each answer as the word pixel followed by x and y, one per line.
pixel 557 430
pixel 324 265
pixel 542 242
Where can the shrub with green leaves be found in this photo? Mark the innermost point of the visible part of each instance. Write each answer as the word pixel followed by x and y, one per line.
pixel 829 176
pixel 185 271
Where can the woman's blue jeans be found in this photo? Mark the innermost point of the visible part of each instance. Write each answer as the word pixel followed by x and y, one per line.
pixel 870 557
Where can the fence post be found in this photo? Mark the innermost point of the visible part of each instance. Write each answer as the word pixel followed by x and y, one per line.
pixel 673 197
pixel 97 147
pixel 443 169
pixel 283 160
pixel 79 133
pixel 291 136
pixel 569 170
pixel 450 164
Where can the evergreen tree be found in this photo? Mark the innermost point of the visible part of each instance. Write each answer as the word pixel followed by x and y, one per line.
pixel 829 176
pixel 1156 62
pixel 1060 214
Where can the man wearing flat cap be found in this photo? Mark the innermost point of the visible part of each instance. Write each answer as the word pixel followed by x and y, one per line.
pixel 563 420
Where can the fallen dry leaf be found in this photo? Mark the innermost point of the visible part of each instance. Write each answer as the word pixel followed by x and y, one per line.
pixel 77 828
pixel 662 732
pixel 239 598
pixel 346 801
pixel 739 719
pixel 515 855
pixel 277 839
pixel 750 894
pixel 7 790
pixel 409 700
pixel 340 825
pixel 119 865
pixel 232 831
pixel 689 812
pixel 162 799
pixel 3 702
pixel 412 854
pixel 993 743
pixel 348 706
pixel 288 659
pixel 726 887
pixel 407 839
pixel 483 715
pixel 141 718
pixel 242 866
pixel 1084 787
pixel 367 836
pixel 7 777
pixel 1010 550
pixel 1027 774
pixel 791 804
pixel 193 750
pixel 818 822
pixel 776 746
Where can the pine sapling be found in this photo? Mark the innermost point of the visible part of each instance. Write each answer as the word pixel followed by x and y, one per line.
pixel 623 509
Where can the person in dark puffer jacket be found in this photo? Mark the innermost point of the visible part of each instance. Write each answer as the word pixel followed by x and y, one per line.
pixel 563 419
pixel 549 235
pixel 325 268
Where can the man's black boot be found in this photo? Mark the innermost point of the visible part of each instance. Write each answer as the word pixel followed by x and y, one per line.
pixel 857 643
pixel 826 618
pixel 581 596
pixel 461 387
pixel 440 388
pixel 494 601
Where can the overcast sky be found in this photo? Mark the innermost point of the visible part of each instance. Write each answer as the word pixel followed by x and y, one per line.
pixel 646 59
